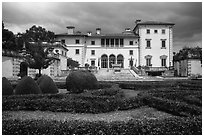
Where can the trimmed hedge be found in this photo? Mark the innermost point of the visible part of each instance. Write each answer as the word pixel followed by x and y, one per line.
pixel 169 126
pixel 172 106
pixel 78 81
pixel 47 85
pixel 7 88
pixel 27 86
pixel 79 103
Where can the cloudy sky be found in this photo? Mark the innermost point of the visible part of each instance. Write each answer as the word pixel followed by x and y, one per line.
pixel 110 17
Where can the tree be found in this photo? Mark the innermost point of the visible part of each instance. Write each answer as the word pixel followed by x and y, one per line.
pixel 8 39
pixel 72 63
pixel 189 53
pixel 36 56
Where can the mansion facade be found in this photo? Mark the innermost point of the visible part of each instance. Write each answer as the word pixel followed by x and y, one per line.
pixel 148 44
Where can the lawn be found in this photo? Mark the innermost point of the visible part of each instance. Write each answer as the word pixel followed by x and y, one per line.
pixel 150 108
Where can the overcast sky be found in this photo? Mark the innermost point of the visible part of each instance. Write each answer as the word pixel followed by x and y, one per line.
pixel 110 17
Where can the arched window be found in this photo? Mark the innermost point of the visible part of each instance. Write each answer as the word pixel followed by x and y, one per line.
pixel 104 61
pixel 112 60
pixel 120 60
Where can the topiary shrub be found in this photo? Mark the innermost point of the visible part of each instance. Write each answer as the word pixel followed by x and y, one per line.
pixel 78 81
pixel 47 85
pixel 7 88
pixel 27 86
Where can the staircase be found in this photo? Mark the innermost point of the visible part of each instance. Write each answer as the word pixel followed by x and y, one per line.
pixel 110 75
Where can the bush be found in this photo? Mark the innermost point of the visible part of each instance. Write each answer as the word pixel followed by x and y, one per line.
pixel 27 86
pixel 172 106
pixel 169 126
pixel 7 88
pixel 78 81
pixel 47 85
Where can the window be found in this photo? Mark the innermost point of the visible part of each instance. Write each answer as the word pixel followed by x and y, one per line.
pixel 148 44
pixel 77 41
pixel 148 62
pixel 112 42
pixel 92 42
pixel 155 31
pixel 163 31
pixel 163 44
pixel 163 62
pixel 62 52
pixel 116 42
pixel 130 42
pixel 148 31
pixel 92 52
pixel 77 52
pixel 93 63
pixel 131 52
pixel 63 41
pixel 102 42
pixel 107 42
pixel 121 42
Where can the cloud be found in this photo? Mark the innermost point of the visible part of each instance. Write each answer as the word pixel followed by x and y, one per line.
pixel 112 17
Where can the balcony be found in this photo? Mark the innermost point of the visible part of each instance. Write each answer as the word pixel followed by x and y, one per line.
pixel 155 69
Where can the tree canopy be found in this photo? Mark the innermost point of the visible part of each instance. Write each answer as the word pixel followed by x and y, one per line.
pixel 8 39
pixel 189 53
pixel 72 63
pixel 37 56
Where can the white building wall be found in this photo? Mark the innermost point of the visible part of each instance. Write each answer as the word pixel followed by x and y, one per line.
pixel 156 51
pixel 7 66
pixel 99 51
pixel 195 66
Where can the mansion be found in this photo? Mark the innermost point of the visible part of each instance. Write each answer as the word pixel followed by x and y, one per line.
pixel 149 44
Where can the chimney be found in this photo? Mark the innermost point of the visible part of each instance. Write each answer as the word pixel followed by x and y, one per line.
pixel 89 33
pixel 70 30
pixel 127 29
pixel 98 31
pixel 137 21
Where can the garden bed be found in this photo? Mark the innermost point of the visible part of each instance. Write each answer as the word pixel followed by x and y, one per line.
pixel 182 99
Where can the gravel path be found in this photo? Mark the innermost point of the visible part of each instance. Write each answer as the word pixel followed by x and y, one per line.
pixel 140 113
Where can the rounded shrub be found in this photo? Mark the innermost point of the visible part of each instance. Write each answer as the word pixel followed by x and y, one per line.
pixel 47 85
pixel 7 88
pixel 27 86
pixel 78 81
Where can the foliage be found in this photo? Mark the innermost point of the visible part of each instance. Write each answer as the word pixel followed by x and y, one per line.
pixel 172 106
pixel 9 40
pixel 168 126
pixel 27 86
pixel 37 34
pixel 7 88
pixel 189 53
pixel 78 81
pixel 72 63
pixel 37 57
pixel 89 102
pixel 47 85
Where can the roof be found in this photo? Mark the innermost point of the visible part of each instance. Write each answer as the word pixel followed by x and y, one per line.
pixel 153 23
pixel 75 34
pixel 121 35
pixel 129 34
